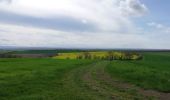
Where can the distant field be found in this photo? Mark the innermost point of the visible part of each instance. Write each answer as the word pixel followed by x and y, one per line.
pixel 44 51
pixel 74 55
pixel 54 79
pixel 97 55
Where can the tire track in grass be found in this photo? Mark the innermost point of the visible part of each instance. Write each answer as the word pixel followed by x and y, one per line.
pixel 150 94
pixel 91 82
pixel 74 85
pixel 98 80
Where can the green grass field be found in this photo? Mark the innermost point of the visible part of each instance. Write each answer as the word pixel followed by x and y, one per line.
pixel 52 79
pixel 153 72
pixel 34 79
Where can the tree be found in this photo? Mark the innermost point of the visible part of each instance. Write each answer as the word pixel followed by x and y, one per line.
pixel 79 57
pixel 87 55
pixel 110 56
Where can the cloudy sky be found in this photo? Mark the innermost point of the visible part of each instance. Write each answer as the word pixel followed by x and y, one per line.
pixel 85 23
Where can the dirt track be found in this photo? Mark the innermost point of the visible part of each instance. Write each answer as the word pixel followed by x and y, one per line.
pixel 93 81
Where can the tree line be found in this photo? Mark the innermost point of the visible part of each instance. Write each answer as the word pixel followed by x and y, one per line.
pixel 111 56
pixel 7 55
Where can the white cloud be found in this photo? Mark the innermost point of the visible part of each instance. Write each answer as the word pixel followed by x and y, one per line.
pixel 155 25
pixel 113 17
pixel 12 35
pixel 159 28
pixel 107 15
pixel 133 8
pixel 5 1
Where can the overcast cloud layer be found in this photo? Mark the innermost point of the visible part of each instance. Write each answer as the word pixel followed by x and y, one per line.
pixel 79 24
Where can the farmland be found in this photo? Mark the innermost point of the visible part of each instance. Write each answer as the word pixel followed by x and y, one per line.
pixel 83 79
pixel 153 72
pixel 102 55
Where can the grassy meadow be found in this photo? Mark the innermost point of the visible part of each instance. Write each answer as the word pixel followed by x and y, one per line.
pixel 153 72
pixel 58 78
pixel 34 79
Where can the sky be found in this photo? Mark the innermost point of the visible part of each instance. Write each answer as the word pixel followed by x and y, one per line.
pixel 104 24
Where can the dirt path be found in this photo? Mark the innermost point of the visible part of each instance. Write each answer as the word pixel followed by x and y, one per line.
pixel 93 82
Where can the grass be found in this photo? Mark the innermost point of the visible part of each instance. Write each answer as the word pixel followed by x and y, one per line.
pixel 34 79
pixel 51 79
pixel 153 72
pixel 59 79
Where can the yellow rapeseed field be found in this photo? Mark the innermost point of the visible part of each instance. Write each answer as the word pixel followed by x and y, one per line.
pixel 93 54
